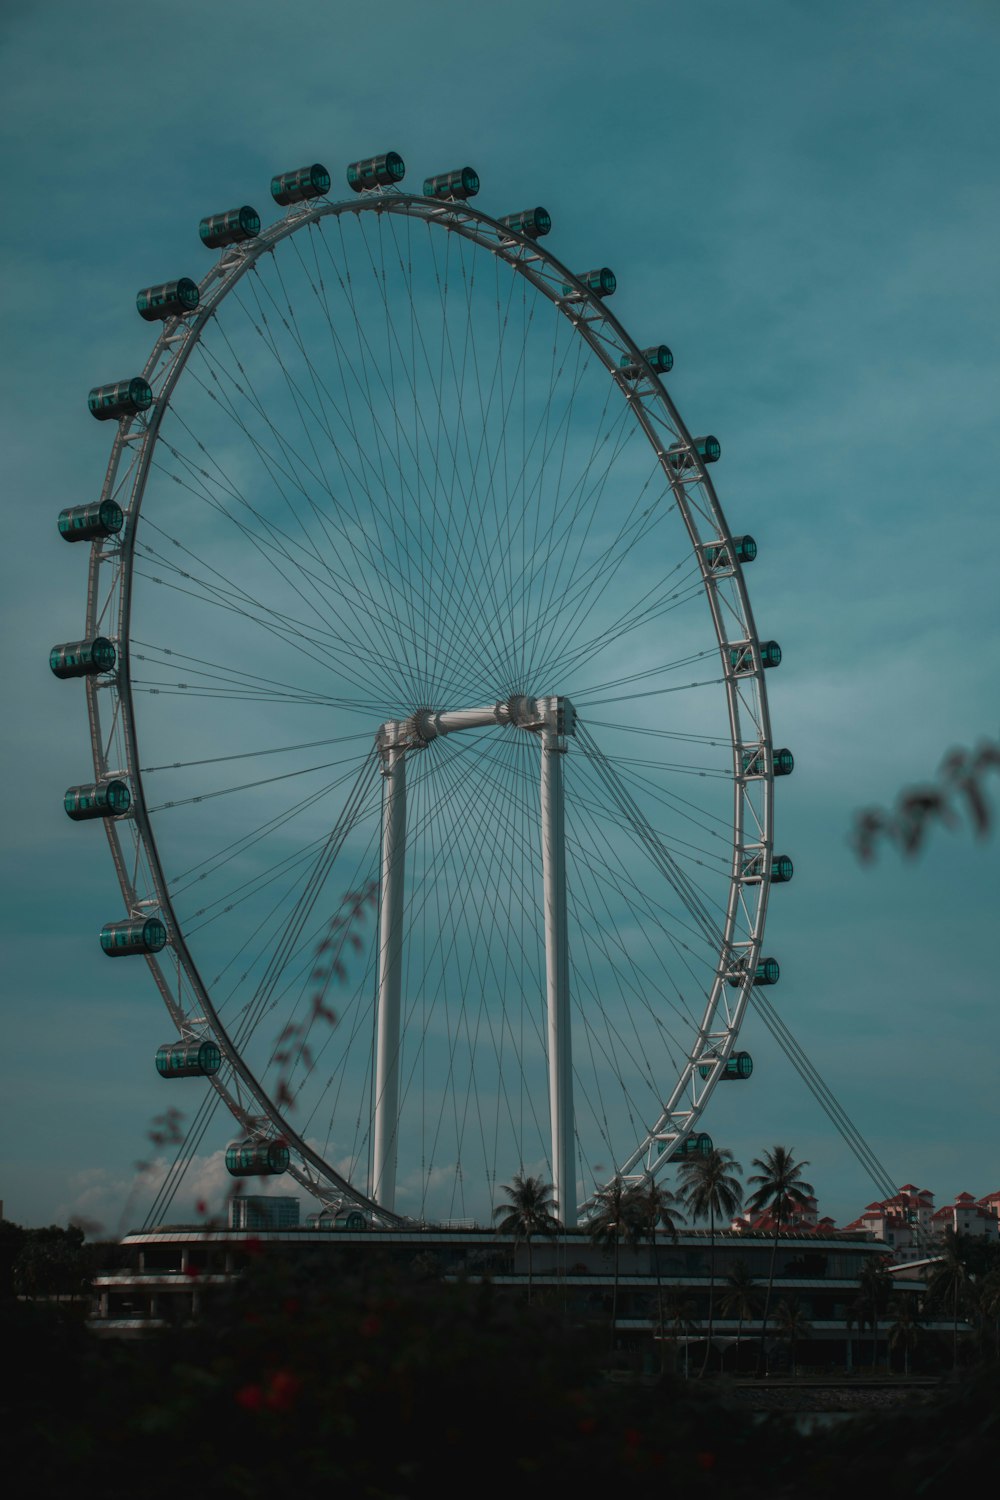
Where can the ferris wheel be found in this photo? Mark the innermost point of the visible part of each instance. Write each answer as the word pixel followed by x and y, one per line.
pixel 407 580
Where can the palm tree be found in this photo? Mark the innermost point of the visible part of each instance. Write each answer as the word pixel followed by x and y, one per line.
pixel 989 1307
pixel 709 1189
pixel 855 1316
pixel 680 1310
pixel 873 1285
pixel 655 1207
pixel 948 1283
pixel 792 1325
pixel 614 1218
pixel 528 1212
pixel 779 1188
pixel 740 1300
pixel 905 1331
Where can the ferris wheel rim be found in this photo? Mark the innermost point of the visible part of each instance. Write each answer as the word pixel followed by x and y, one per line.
pixel 598 326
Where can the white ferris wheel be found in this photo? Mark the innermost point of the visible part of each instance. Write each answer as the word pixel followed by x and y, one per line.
pixel 407 580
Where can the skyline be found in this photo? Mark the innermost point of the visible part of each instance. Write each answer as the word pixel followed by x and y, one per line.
pixel 828 292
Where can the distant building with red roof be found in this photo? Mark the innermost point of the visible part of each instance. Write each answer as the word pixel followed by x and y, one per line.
pixel 906 1221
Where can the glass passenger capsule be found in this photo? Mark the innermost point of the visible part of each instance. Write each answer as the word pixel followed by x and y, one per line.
pixel 755 762
pixel 659 358
pixel 744 550
pixel 303 183
pixel 696 1145
pixel 123 398
pixel 83 658
pixel 102 799
pixel 782 869
pixel 171 299
pixel 766 972
pixel 738 1066
pixel 601 281
pixel 134 935
pixel 188 1059
pixel 376 171
pixel 708 449
pixel 533 222
pixel 85 523
pixel 741 656
pixel 229 228
pixel 257 1158
pixel 462 183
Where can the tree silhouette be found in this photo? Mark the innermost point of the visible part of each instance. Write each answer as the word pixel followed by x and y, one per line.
pixel 529 1211
pixel 710 1190
pixel 948 1284
pixel 793 1325
pixel 655 1207
pixel 779 1188
pixel 874 1284
pixel 740 1299
pixel 905 1330
pixel 614 1218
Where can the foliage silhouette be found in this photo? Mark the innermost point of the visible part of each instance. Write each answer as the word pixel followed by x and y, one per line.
pixel 709 1190
pixel 779 1188
pixel 528 1211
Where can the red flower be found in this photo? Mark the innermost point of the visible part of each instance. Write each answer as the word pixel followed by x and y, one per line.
pixel 250 1397
pixel 705 1461
pixel 282 1391
pixel 370 1326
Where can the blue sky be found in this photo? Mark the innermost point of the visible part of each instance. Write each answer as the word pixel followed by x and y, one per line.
pixel 803 203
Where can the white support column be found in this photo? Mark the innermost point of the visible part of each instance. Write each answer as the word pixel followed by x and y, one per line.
pixel 390 963
pixel 557 721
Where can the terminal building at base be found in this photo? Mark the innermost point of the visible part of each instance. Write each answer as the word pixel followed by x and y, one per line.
pixel 168 1275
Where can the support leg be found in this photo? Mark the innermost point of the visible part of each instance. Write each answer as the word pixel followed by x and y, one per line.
pixel 557 961
pixel 390 968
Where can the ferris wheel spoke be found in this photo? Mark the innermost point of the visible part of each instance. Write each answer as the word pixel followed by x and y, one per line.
pixel 286 629
pixel 572 516
pixel 434 568
pixel 655 605
pixel 391 596
pixel 376 606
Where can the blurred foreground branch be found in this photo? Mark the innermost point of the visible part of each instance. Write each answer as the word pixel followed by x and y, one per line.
pixel 958 790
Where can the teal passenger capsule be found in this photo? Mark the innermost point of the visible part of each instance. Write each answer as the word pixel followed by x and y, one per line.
pixel 744 549
pixel 134 935
pixel 767 971
pixel 83 658
pixel 171 299
pixel 102 799
pixel 532 222
pixel 462 183
pixel 303 183
pixel 659 358
pixel 737 1067
pixel 782 869
pixel 741 656
pixel 376 171
pixel 696 1145
pixel 188 1059
pixel 87 523
pixel 708 449
pixel 229 228
pixel 784 763
pixel 601 282
pixel 257 1158
pixel 123 398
